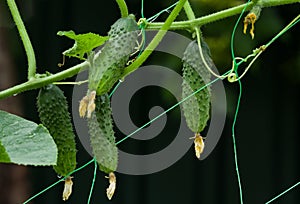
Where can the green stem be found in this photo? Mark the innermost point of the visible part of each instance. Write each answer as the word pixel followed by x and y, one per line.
pixel 270 3
pixel 156 40
pixel 218 15
pixel 123 8
pixel 25 38
pixel 40 82
pixel 189 11
pixel 191 16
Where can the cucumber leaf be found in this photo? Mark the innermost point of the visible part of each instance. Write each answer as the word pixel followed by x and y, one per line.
pixel 84 43
pixel 25 142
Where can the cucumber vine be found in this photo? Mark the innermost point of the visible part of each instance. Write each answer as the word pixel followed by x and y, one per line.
pixel 106 68
pixel 36 82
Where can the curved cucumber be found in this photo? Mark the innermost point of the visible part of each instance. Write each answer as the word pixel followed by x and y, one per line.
pixel 106 66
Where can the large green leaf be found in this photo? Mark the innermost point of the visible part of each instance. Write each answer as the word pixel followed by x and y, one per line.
pixel 84 43
pixel 24 142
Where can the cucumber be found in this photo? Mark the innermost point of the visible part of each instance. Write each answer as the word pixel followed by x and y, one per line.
pixel 102 135
pixel 53 112
pixel 107 66
pixel 195 75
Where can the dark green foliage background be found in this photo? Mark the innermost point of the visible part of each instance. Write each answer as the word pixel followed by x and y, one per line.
pixel 268 124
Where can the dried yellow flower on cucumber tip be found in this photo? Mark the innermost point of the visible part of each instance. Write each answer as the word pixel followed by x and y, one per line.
pixel 83 106
pixel 68 188
pixel 87 105
pixel 251 18
pixel 199 144
pixel 112 185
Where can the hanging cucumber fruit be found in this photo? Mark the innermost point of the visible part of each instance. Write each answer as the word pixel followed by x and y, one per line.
pixel 107 65
pixel 103 140
pixel 196 75
pixel 53 112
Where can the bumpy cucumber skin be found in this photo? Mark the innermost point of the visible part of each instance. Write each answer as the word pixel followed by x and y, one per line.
pixel 195 75
pixel 108 64
pixel 102 135
pixel 53 112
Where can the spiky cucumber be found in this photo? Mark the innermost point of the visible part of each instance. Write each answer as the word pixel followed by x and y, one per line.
pixel 102 135
pixel 53 112
pixel 196 75
pixel 106 66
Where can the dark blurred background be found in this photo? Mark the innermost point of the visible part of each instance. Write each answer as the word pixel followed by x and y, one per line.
pixel 267 129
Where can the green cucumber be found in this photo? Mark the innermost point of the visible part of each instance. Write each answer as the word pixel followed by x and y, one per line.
pixel 195 75
pixel 53 112
pixel 107 66
pixel 102 135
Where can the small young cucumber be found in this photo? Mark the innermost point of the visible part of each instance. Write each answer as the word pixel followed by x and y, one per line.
pixel 106 66
pixel 53 111
pixel 195 75
pixel 102 135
